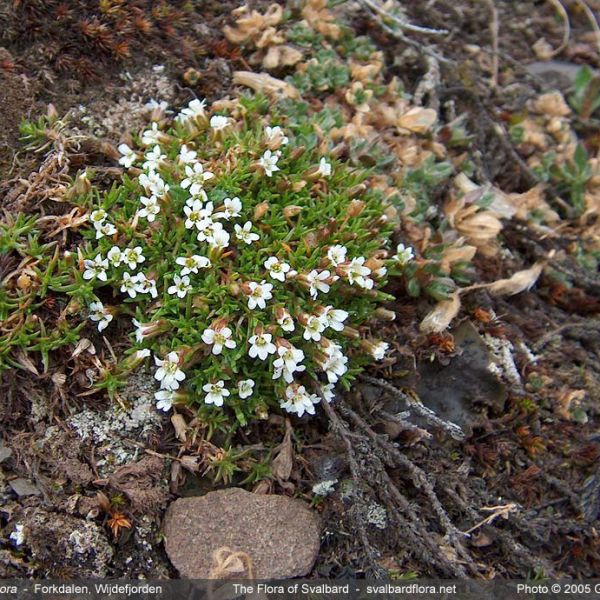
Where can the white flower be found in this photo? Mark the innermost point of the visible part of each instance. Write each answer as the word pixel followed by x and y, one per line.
pixel 268 162
pixel 133 256
pixel 285 321
pixel 152 104
pixel 115 256
pixel 186 156
pixel 216 392
pixel 231 210
pixel 261 346
pixel 336 364
pixel 218 339
pixel 164 399
pixel 195 178
pixel 288 363
pixel 100 315
pixel 289 357
pixel 379 350
pixel 219 237
pixel 154 183
pixel 168 373
pixel 129 284
pixel 191 264
pixel 18 535
pixel 273 133
pixel 98 216
pixel 181 286
pixel 218 122
pixel 404 254
pixel 245 388
pixel 129 156
pixel 244 234
pixel 313 329
pixel 146 286
pixel 141 330
pixel 324 168
pixel 359 274
pixel 95 268
pixel 154 158
pixel 151 208
pixel 194 109
pixel 317 282
pixel 104 229
pixel 206 229
pixel 259 292
pixel 150 136
pixel 337 254
pixel 333 318
pixel 196 212
pixel 298 401
pixel 327 392
pixel 277 269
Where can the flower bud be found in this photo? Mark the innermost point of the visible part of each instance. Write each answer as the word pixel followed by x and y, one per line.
pixel 296 153
pixel 73 307
pixel 338 150
pixel 357 190
pixel 261 412
pixel 291 211
pixel 260 210
pixel 298 185
pixel 384 314
pixel 282 185
pixel 350 332
pixel 191 76
pixel 355 208
pixel 24 282
pixel 134 360
pixel 377 349
pixel 51 112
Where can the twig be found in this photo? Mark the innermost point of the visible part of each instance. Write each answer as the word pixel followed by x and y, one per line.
pixel 429 84
pixel 420 481
pixel 401 23
pixel 452 428
pixel 567 30
pixel 398 33
pixel 421 539
pixel 342 431
pixel 494 32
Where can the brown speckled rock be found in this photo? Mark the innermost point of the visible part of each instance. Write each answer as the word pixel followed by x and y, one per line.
pixel 280 534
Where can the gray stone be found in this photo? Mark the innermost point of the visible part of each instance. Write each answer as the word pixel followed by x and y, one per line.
pixel 23 487
pixel 5 452
pixel 280 535
pixel 454 390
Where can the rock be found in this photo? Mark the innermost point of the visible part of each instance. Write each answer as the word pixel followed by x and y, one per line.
pixel 279 534
pixel 5 453
pixel 64 546
pixel 454 390
pixel 556 73
pixel 22 487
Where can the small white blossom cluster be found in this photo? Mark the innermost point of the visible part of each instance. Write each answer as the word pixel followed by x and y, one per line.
pixel 213 229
